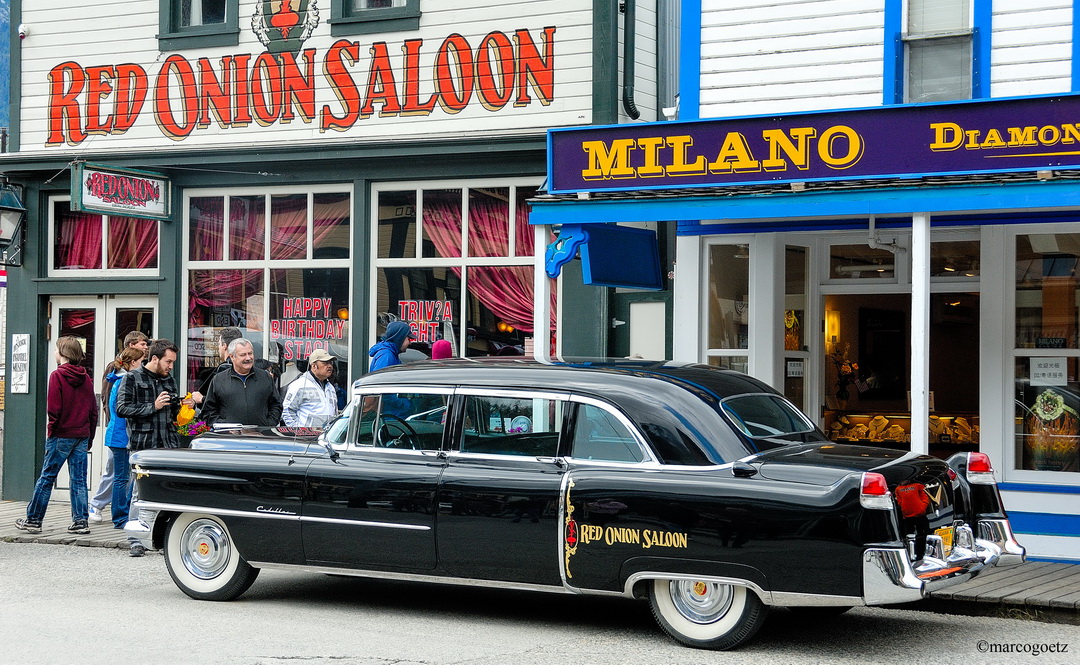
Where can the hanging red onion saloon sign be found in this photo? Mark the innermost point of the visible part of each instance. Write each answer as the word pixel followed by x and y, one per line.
pixel 122 192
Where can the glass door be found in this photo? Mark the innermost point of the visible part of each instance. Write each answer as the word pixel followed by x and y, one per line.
pixel 100 323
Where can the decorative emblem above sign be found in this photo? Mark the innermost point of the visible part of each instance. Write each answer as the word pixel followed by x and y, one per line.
pixel 120 192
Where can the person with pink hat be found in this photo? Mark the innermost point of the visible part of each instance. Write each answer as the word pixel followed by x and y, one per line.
pixel 442 349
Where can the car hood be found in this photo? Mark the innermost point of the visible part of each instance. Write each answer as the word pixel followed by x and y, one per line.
pixel 245 438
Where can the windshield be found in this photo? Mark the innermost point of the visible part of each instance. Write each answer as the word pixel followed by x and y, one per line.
pixel 765 416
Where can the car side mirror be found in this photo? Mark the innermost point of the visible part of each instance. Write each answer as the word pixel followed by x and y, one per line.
pixel 743 470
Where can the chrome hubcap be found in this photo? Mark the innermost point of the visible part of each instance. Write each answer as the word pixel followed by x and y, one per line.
pixel 701 602
pixel 205 549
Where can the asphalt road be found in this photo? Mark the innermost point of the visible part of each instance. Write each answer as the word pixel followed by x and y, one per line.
pixel 88 605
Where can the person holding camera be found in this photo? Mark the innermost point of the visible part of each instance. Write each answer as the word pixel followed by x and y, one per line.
pixel 148 398
pixel 240 394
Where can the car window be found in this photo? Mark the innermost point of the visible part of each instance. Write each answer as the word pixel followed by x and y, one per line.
pixel 600 435
pixel 409 421
pixel 336 431
pixel 512 426
pixel 764 415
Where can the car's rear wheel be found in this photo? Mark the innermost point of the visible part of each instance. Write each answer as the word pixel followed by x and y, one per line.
pixel 202 558
pixel 706 615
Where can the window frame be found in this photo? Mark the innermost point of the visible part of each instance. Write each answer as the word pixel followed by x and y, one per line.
pixel 172 36
pixel 648 458
pixel 103 271
pixel 345 21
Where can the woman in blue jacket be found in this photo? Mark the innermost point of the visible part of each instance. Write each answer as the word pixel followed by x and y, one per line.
pixel 116 438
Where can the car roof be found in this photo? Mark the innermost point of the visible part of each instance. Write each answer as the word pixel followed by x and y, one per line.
pixel 653 393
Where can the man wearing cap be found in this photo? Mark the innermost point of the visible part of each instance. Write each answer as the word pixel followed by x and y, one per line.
pixel 394 341
pixel 311 400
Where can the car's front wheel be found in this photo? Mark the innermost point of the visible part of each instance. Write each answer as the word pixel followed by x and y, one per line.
pixel 202 558
pixel 704 614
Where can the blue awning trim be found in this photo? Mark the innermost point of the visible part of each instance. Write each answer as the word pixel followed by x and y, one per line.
pixel 801 209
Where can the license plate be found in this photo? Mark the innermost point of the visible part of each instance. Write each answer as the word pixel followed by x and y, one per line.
pixel 946 535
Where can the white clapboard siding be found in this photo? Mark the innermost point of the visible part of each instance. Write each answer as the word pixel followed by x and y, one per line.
pixel 776 56
pixel 124 31
pixel 1031 47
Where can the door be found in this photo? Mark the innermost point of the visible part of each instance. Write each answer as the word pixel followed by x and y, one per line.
pixel 101 323
pixel 499 494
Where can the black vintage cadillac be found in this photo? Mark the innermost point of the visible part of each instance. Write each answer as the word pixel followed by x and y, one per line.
pixel 702 490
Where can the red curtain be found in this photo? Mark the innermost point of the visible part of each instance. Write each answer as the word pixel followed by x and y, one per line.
pixel 78 241
pixel 506 290
pixel 133 243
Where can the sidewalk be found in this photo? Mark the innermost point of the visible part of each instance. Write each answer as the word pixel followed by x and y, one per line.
pixel 1034 590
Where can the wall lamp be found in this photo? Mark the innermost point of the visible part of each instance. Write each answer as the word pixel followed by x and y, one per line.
pixel 12 223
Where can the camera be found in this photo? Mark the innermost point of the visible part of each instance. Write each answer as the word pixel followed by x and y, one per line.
pixel 174 399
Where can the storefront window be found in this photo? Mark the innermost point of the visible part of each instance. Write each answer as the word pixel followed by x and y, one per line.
pixel 796 272
pixel 729 284
pixel 309 309
pixel 860 262
pixel 442 222
pixel 489 221
pixel 397 225
pixel 206 227
pixel 129 243
pixel 737 363
pixel 954 259
pixel 1047 426
pixel 483 302
pixel 292 294
pixel 220 299
pixel 247 228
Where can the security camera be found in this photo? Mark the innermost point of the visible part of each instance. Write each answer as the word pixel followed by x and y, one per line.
pixel 23 30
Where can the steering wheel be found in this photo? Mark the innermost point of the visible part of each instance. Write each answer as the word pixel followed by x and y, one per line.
pixel 385 435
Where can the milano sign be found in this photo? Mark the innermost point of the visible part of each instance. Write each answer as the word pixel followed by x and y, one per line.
pixel 1021 134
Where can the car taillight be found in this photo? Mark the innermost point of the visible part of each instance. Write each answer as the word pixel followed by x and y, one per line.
pixel 979 469
pixel 875 492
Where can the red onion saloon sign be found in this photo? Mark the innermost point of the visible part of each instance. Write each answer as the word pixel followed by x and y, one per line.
pixel 124 192
pixel 185 95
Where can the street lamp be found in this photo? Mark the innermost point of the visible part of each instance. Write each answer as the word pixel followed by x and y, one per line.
pixel 12 216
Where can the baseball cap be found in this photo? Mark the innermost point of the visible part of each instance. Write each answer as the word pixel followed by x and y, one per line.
pixel 319 355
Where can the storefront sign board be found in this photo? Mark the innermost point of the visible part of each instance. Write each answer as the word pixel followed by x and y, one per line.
pixel 1023 134
pixel 123 192
pixel 20 363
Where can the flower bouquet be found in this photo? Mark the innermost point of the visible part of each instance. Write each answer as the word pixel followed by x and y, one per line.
pixel 193 428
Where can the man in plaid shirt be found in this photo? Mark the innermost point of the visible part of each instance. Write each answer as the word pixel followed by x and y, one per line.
pixel 148 398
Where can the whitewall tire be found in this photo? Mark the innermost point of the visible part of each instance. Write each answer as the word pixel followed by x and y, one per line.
pixel 704 614
pixel 203 560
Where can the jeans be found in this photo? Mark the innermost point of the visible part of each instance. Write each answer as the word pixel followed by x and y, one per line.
pixel 103 496
pixel 121 486
pixel 59 451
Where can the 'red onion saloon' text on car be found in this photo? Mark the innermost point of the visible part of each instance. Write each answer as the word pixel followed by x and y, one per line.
pixel 700 489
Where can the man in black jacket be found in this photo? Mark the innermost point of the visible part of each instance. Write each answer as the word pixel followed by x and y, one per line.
pixel 148 399
pixel 241 394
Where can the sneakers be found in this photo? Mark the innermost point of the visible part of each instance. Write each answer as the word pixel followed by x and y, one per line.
pixel 79 526
pixel 95 514
pixel 137 550
pixel 27 526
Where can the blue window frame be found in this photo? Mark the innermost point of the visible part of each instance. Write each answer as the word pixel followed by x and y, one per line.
pixel 362 17
pixel 929 57
pixel 197 24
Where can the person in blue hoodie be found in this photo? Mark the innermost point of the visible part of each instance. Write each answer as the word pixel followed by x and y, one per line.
pixel 116 438
pixel 386 353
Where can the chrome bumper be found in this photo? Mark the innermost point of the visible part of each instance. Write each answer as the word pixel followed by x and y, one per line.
pixel 890 577
pixel 1001 534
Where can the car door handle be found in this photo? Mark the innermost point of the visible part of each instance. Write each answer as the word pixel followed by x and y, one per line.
pixel 557 461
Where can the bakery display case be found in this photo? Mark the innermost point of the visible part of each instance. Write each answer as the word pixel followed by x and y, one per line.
pixel 948 434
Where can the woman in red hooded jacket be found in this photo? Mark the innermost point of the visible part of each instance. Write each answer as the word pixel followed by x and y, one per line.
pixel 73 414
